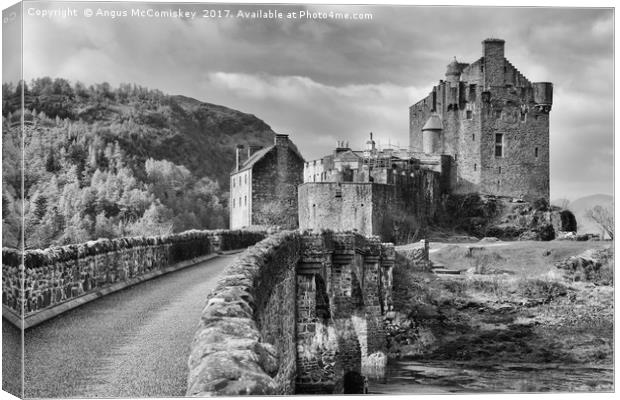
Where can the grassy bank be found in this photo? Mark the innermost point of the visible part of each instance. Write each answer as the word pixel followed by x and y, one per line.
pixel 513 306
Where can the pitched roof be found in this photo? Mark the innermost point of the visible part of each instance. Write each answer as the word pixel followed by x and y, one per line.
pixel 433 123
pixel 260 154
pixel 254 158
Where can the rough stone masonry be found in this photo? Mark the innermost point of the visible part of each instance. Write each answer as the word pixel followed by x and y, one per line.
pixel 297 313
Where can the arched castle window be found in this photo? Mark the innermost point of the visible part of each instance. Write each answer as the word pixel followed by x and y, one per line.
pixel 536 152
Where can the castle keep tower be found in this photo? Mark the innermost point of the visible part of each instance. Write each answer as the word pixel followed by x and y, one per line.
pixel 492 121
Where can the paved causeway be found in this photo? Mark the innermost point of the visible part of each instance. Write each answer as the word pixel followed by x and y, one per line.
pixel 133 343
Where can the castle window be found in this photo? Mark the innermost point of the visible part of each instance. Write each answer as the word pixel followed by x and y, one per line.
pixel 523 116
pixel 472 93
pixel 245 200
pixel 473 136
pixel 499 170
pixel 499 145
pixel 475 167
pixel 468 114
pixel 536 152
pixel 498 113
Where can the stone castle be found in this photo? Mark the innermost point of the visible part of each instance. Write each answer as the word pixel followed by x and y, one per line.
pixel 484 129
pixel 492 122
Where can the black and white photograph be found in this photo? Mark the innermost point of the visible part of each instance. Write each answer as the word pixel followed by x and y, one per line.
pixel 274 199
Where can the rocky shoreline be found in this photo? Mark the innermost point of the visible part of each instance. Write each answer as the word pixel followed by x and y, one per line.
pixel 499 319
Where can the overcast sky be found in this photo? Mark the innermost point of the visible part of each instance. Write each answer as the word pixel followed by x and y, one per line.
pixel 325 80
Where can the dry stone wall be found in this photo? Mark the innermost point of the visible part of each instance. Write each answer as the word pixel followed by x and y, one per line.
pixel 58 274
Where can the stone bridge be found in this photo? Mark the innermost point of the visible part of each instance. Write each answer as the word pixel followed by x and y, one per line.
pixel 295 313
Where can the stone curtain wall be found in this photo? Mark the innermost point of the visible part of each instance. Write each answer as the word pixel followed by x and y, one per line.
pixel 58 274
pixel 245 343
pixel 297 313
pixel 397 212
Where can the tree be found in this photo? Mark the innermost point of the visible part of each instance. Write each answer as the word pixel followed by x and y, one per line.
pixel 604 217
pixel 562 203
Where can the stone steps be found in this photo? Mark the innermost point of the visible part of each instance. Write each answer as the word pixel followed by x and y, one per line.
pixel 442 270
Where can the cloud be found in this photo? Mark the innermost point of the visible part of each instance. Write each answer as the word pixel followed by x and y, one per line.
pixel 317 115
pixel 326 80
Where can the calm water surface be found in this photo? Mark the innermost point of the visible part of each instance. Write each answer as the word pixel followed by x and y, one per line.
pixel 412 376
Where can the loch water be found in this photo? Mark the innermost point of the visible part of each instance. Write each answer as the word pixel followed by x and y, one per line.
pixel 444 376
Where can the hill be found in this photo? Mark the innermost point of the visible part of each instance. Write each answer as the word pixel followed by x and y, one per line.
pixel 147 123
pixel 579 207
pixel 107 162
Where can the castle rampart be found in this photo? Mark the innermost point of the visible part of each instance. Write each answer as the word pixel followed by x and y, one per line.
pixel 394 210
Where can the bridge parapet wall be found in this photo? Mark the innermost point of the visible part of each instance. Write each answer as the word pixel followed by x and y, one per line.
pixel 245 343
pixel 57 275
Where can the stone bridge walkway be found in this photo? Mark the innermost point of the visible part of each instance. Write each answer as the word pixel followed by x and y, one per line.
pixel 132 343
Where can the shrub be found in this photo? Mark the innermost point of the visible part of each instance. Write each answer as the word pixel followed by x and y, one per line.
pixel 546 289
pixel 541 204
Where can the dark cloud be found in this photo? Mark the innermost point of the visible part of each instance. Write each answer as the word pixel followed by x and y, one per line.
pixel 342 79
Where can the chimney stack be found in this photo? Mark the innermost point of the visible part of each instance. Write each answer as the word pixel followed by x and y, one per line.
pixel 281 140
pixel 238 157
pixel 493 53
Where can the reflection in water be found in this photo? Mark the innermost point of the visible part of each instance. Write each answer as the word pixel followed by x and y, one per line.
pixel 409 376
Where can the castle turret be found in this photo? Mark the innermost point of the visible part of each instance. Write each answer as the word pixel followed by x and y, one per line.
pixel 431 132
pixel 543 96
pixel 493 62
